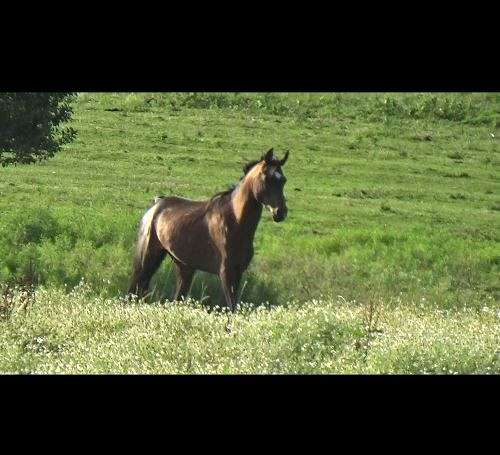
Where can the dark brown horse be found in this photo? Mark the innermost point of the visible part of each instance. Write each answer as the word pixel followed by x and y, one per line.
pixel 214 236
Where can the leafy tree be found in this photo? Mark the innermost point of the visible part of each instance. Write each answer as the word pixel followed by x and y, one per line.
pixel 31 126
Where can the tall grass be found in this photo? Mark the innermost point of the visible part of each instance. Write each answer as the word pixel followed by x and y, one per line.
pixel 472 108
pixel 78 333
pixel 49 247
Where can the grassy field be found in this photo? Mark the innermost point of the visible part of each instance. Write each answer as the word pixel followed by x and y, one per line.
pixel 393 205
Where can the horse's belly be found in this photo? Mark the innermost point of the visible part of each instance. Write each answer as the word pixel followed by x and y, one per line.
pixel 199 257
pixel 188 244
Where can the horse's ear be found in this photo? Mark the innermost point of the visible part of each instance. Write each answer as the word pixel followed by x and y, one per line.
pixel 268 157
pixel 283 161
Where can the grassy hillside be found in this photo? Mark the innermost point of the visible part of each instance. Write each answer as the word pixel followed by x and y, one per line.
pixel 392 198
pixel 388 193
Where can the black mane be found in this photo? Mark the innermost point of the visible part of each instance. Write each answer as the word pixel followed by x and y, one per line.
pixel 246 169
pixel 250 165
pixel 223 193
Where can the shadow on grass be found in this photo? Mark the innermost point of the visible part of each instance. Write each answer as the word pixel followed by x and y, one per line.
pixel 206 289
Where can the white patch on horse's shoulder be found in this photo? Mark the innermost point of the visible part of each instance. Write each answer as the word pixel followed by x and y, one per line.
pixel 277 175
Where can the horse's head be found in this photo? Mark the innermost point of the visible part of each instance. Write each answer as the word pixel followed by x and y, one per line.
pixel 268 182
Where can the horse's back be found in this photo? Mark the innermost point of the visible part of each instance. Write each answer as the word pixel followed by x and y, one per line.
pixel 180 202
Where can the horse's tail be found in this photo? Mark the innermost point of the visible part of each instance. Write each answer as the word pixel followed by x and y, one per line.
pixel 149 252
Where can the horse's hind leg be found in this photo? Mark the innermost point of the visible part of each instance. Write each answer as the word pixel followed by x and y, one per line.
pixel 145 269
pixel 184 279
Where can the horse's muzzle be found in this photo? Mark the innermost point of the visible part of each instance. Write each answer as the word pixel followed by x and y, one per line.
pixel 280 214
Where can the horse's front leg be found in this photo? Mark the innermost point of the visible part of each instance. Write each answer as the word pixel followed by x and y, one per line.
pixel 230 277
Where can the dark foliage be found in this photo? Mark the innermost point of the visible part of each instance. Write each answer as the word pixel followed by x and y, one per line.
pixel 31 126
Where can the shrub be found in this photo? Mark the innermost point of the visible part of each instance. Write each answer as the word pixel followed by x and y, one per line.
pixel 32 126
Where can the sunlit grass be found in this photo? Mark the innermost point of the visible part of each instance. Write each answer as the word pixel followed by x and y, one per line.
pixel 77 333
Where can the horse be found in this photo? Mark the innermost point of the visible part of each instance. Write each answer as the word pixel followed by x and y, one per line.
pixel 215 235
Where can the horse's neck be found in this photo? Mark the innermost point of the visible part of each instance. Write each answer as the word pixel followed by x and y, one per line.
pixel 247 210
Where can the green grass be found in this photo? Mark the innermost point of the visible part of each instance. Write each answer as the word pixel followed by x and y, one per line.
pixel 392 198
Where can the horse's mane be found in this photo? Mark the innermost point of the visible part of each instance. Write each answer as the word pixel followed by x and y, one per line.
pixel 246 169
pixel 250 165
pixel 223 193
